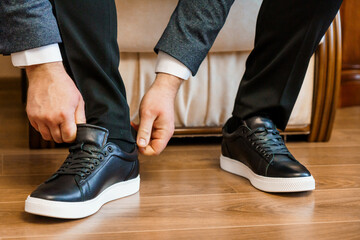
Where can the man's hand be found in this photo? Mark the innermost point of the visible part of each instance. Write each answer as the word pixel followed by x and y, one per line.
pixel 54 104
pixel 157 114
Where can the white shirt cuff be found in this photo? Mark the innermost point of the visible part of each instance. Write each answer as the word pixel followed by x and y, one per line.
pixel 40 55
pixel 170 65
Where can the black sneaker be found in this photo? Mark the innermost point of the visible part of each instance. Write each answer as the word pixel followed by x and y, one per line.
pixel 94 173
pixel 254 149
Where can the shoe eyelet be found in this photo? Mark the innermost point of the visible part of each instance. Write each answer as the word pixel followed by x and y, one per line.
pixel 83 176
pixel 110 149
pixel 87 172
pixel 96 163
pixel 92 167
pixel 106 154
pixel 101 157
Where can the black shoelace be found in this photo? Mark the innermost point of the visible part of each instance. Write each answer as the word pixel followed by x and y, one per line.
pixel 268 141
pixel 82 160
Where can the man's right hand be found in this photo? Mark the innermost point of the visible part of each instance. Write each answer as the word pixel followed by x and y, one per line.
pixel 54 104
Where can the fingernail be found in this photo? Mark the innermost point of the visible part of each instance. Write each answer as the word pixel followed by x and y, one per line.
pixel 142 142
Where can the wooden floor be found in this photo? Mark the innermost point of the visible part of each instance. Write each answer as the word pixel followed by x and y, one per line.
pixel 184 194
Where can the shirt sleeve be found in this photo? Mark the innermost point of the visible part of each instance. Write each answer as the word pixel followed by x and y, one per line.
pixel 40 55
pixel 170 65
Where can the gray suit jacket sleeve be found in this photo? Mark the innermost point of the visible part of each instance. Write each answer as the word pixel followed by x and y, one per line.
pixel 192 30
pixel 26 24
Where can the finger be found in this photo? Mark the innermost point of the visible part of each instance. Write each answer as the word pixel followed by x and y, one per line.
pixel 145 128
pixel 158 143
pixel 148 151
pixel 68 129
pixel 155 147
pixel 80 113
pixel 45 132
pixel 56 133
pixel 34 124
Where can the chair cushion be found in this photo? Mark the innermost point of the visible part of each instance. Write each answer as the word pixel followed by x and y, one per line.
pixel 207 99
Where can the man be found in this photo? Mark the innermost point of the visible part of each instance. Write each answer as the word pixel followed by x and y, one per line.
pixel 102 164
pixel 287 34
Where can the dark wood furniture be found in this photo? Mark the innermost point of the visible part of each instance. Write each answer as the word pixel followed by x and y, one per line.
pixel 350 75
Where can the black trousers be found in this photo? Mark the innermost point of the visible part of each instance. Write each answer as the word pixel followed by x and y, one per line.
pixel 287 34
pixel 91 57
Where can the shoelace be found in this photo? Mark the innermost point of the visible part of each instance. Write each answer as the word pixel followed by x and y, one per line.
pixel 81 160
pixel 268 141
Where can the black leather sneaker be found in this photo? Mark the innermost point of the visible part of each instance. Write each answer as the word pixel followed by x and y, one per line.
pixel 254 149
pixel 94 173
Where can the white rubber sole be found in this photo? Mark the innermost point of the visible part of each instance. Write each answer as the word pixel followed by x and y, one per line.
pixel 267 184
pixel 74 210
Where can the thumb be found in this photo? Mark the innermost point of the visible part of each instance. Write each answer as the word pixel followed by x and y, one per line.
pixel 80 112
pixel 145 128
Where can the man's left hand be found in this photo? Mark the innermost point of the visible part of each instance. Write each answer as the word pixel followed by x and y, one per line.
pixel 157 114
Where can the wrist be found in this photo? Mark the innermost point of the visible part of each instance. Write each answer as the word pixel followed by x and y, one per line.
pixel 168 82
pixel 37 72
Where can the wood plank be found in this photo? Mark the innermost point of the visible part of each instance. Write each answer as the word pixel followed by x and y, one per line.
pixel 319 231
pixel 16 188
pixel 1 164
pixel 170 183
pixel 193 182
pixel 43 164
pixel 348 119
pixel 19 151
pixel 15 195
pixel 137 213
pixel 21 182
pixel 32 164
pixel 339 138
pixel 336 177
pixel 180 158
pixel 174 158
pixel 324 155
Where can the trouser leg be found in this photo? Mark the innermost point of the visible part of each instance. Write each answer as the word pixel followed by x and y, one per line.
pixel 287 34
pixel 91 57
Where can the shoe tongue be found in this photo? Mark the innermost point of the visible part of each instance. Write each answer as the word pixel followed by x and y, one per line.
pixel 257 122
pixel 91 134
